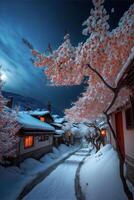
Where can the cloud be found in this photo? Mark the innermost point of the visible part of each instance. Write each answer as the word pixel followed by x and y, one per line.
pixel 14 57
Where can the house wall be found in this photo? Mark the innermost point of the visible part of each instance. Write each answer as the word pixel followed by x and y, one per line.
pixel 128 137
pixel 129 149
pixel 128 145
pixel 37 144
pixel 68 137
pixel 37 150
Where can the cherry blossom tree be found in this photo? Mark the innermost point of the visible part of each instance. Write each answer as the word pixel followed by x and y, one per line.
pixel 8 129
pixel 101 59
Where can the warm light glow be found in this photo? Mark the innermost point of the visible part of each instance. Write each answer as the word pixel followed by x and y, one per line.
pixel 42 119
pixel 103 132
pixel 28 141
pixel 69 134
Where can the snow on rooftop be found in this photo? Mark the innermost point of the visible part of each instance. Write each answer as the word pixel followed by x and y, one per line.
pixel 60 132
pixel 66 127
pixel 59 120
pixel 128 62
pixel 76 132
pixel 55 116
pixel 38 112
pixel 27 121
pixel 56 124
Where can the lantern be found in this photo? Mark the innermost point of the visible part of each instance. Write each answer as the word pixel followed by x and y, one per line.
pixel 103 132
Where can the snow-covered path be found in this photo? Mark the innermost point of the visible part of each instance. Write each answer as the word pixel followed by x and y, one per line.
pixel 60 184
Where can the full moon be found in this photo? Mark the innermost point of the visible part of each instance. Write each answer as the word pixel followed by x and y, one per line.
pixel 3 77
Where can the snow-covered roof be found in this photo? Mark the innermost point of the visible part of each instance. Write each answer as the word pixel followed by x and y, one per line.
pixel 56 124
pixel 27 121
pixel 55 116
pixel 59 120
pixel 125 66
pixel 66 127
pixel 59 132
pixel 74 130
pixel 38 112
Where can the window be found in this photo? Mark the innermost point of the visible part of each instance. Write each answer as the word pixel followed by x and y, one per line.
pixel 42 119
pixel 43 138
pixel 129 118
pixel 28 141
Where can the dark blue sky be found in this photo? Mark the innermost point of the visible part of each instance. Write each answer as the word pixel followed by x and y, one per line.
pixel 41 22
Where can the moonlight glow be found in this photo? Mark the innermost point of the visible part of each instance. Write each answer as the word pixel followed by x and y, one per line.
pixel 3 77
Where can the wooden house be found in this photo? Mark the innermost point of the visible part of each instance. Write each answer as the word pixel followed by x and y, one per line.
pixel 68 138
pixel 58 137
pixel 36 137
pixel 123 119
pixel 59 133
pixel 42 115
pixel 54 120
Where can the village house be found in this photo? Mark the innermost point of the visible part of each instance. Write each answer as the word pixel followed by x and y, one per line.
pixel 123 119
pixel 36 137
pixel 54 120
pixel 59 132
pixel 42 115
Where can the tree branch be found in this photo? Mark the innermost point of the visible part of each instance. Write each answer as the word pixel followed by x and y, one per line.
pixel 93 126
pixel 98 74
pixel 111 104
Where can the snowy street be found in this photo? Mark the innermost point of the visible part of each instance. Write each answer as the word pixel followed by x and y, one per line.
pixel 60 184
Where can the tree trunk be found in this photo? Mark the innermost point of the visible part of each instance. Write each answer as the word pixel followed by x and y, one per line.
pixel 121 159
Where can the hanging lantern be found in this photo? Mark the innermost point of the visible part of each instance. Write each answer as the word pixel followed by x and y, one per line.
pixel 103 132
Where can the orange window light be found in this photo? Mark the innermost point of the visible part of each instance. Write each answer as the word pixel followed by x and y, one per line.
pixel 42 119
pixel 28 141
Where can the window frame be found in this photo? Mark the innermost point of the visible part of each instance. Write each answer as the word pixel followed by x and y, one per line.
pixel 42 119
pixel 43 138
pixel 24 140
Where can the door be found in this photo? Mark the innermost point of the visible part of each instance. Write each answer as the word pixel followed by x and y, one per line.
pixel 119 132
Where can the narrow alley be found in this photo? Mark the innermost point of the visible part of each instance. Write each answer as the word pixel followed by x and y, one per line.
pixel 62 183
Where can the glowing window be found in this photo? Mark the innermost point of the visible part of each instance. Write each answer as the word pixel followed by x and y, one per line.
pixel 42 119
pixel 28 141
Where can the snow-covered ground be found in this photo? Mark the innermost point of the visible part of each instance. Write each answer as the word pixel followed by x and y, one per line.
pixel 14 179
pixel 60 184
pixel 100 178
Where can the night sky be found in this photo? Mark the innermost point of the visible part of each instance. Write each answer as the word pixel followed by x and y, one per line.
pixel 41 22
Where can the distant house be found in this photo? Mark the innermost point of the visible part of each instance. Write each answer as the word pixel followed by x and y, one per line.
pixel 36 137
pixel 76 135
pixel 54 120
pixel 58 119
pixel 69 134
pixel 59 132
pixel 123 119
pixel 58 137
pixel 42 115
